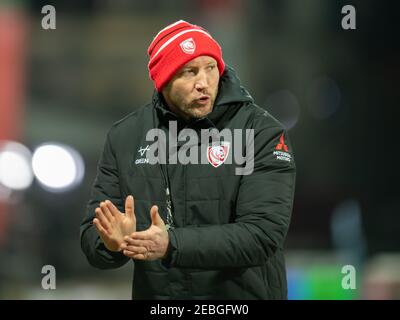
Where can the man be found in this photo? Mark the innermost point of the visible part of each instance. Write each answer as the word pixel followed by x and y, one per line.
pixel 194 230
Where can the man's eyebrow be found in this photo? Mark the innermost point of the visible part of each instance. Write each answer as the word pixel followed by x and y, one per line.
pixel 193 67
pixel 189 68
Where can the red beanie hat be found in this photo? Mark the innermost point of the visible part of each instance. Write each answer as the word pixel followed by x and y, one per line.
pixel 176 45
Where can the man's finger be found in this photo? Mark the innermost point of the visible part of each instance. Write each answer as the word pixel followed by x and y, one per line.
pixel 113 209
pixel 138 243
pixel 143 235
pixel 137 256
pixel 104 222
pixel 155 217
pixel 130 207
pixel 98 220
pixel 136 249
pixel 106 211
pixel 99 227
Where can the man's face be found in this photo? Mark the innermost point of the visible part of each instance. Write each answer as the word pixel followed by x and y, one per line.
pixel 192 91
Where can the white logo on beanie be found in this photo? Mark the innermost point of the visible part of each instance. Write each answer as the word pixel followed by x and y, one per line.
pixel 188 46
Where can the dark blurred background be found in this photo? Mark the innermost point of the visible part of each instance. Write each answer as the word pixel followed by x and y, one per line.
pixel 335 90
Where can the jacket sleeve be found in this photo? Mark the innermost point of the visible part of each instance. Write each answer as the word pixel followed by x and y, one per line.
pixel 106 186
pixel 262 217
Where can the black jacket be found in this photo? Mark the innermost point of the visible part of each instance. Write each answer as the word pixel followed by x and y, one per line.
pixel 230 229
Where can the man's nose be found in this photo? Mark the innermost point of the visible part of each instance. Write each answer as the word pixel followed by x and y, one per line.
pixel 201 81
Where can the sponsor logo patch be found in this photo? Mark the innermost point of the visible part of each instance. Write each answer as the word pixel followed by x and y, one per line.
pixel 281 150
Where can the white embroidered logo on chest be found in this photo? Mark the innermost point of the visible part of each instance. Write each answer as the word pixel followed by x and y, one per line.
pixel 216 155
pixel 142 152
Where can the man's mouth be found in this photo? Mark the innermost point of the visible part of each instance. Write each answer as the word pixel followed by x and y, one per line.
pixel 203 99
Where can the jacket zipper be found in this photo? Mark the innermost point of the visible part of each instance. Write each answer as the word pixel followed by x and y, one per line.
pixel 170 219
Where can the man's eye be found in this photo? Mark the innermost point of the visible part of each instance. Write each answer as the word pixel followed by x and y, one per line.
pixel 211 67
pixel 188 72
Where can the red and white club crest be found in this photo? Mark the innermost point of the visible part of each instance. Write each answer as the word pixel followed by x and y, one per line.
pixel 216 155
pixel 188 46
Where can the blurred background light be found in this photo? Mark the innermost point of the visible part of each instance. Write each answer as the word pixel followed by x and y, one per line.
pixel 283 105
pixel 57 167
pixel 5 193
pixel 323 97
pixel 347 232
pixel 15 168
